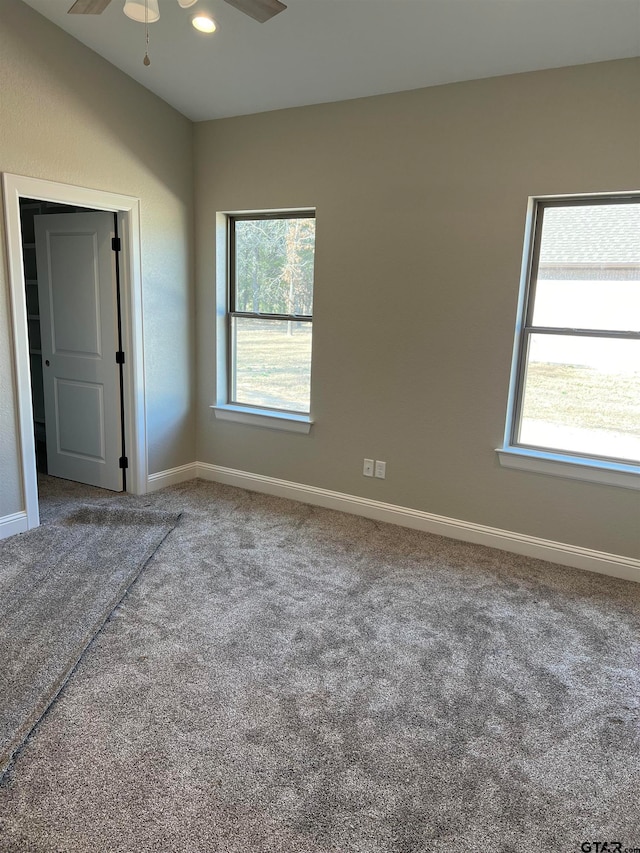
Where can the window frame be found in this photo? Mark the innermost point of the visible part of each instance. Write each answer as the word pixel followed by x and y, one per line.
pixel 518 454
pixel 230 408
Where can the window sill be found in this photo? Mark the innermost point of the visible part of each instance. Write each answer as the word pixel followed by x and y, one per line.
pixel 573 467
pixel 263 418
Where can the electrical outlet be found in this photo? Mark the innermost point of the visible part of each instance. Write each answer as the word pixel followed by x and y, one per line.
pixel 381 469
pixel 367 468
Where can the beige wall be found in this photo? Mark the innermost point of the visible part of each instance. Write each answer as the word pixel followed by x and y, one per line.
pixel 421 200
pixel 69 116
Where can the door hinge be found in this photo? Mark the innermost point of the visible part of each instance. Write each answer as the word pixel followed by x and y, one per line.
pixel 124 462
pixel 116 245
pixel 120 357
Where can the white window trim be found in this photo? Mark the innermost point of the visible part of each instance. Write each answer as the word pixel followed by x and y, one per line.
pixel 572 467
pixel 291 422
pixel 222 409
pixel 543 461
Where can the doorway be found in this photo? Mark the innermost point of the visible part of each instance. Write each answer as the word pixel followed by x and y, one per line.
pixel 70 259
pixel 125 213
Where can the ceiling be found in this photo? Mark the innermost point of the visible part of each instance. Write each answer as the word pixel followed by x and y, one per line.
pixel 329 50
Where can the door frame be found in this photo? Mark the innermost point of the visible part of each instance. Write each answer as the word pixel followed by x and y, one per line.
pixel 127 209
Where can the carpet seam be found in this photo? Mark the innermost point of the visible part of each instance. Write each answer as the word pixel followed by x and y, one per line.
pixel 7 760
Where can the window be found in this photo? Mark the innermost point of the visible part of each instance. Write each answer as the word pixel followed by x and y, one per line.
pixel 270 311
pixel 576 384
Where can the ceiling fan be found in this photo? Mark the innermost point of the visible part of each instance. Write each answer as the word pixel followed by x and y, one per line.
pixel 259 10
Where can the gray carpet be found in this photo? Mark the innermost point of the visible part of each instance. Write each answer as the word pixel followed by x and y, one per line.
pixel 58 585
pixel 287 679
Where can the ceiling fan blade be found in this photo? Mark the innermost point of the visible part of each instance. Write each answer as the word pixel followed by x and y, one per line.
pixel 260 10
pixel 88 7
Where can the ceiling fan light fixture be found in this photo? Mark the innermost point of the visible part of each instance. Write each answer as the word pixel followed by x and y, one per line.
pixel 204 24
pixel 184 4
pixel 137 10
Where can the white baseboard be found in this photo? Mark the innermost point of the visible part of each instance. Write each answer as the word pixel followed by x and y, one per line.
pixel 614 565
pixel 172 476
pixel 12 524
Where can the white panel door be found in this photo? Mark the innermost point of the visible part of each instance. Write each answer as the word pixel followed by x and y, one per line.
pixel 78 320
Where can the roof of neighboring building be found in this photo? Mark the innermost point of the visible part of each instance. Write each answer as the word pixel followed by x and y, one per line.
pixel 591 234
